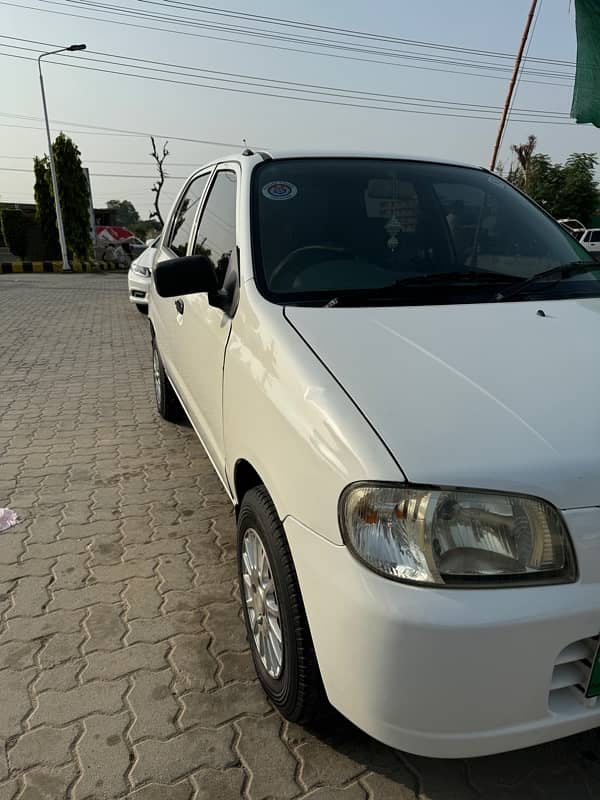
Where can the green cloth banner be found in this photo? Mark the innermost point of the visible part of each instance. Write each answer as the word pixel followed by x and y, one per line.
pixel 586 94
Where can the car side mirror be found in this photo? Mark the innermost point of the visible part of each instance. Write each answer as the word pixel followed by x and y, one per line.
pixel 185 275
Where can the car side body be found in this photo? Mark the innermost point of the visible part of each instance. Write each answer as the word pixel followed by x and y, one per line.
pixel 309 401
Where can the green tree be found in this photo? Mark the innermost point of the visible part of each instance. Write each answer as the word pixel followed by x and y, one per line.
pixel 564 190
pixel 126 213
pixel 145 229
pixel 543 182
pixel 74 196
pixel 45 210
pixel 578 193
pixel 14 231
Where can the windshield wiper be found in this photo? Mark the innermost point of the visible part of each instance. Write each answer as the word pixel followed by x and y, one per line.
pixel 434 278
pixel 561 272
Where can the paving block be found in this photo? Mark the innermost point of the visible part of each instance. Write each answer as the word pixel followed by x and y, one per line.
pixel 272 776
pixel 62 647
pixel 103 757
pixel 163 627
pixel 61 677
pixel 16 702
pixel 105 627
pixel 193 664
pixel 60 708
pixel 225 784
pixel 226 625
pixel 167 762
pixel 45 745
pixel 46 783
pixel 210 709
pixel 142 598
pixel 85 596
pixel 154 706
pixel 107 666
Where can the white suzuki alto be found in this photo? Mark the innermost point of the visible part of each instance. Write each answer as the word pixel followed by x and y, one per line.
pixel 394 367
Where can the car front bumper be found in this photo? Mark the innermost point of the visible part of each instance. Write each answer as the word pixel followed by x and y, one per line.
pixel 453 672
pixel 139 286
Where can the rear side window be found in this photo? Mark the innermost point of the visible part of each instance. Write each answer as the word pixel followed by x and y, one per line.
pixel 595 237
pixel 216 232
pixel 184 217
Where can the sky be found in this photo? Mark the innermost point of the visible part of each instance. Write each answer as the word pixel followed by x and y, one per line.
pixel 344 66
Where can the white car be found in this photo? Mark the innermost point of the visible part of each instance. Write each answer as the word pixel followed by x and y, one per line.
pixel 574 226
pixel 138 277
pixel 591 241
pixel 403 409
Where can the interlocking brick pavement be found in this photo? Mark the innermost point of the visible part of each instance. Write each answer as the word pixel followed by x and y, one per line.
pixel 124 668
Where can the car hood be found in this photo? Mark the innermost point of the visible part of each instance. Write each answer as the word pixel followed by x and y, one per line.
pixel 500 396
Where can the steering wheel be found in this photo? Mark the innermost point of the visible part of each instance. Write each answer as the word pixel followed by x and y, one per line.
pixel 301 259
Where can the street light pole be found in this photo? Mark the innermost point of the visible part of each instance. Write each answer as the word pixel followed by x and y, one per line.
pixel 59 222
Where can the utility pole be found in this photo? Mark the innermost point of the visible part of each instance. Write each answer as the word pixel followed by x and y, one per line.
pixel 511 86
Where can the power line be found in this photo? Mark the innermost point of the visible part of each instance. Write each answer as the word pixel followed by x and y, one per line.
pixel 343 31
pixel 114 131
pixel 368 106
pixel 285 49
pixel 318 89
pixel 109 161
pixel 102 174
pixel 128 12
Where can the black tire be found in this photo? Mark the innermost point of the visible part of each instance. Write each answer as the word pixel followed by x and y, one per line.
pixel 167 402
pixel 142 308
pixel 298 691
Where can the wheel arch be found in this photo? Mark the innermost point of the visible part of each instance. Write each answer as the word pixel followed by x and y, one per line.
pixel 245 477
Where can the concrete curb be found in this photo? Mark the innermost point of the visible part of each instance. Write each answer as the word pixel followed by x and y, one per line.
pixel 7 267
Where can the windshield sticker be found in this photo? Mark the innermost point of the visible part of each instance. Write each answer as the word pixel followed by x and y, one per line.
pixel 279 190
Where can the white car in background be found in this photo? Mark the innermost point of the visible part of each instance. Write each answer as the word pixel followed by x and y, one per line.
pixel 591 241
pixel 138 277
pixel 574 226
pixel 403 409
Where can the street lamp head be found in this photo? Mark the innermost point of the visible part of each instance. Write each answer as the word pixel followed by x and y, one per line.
pixel 74 47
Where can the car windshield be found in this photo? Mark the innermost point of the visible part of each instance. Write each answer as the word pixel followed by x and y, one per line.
pixel 329 231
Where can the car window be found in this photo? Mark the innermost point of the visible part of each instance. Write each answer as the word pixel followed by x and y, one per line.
pixel 215 237
pixel 184 217
pixel 595 236
pixel 324 226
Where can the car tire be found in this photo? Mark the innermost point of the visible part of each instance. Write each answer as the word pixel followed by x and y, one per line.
pixel 167 402
pixel 142 308
pixel 292 682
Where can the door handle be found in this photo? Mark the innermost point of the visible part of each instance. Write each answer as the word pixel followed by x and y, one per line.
pixel 179 305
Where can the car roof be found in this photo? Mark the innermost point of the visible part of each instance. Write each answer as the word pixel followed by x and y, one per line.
pixel 281 154
pixel 276 155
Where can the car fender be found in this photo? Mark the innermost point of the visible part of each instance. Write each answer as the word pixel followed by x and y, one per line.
pixel 286 415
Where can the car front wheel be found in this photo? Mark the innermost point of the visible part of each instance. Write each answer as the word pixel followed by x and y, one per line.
pixel 142 308
pixel 276 623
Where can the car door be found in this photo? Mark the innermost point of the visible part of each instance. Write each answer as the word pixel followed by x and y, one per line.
pixel 175 242
pixel 203 329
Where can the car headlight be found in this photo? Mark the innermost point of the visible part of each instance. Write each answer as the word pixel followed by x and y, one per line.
pixel 139 270
pixel 455 537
